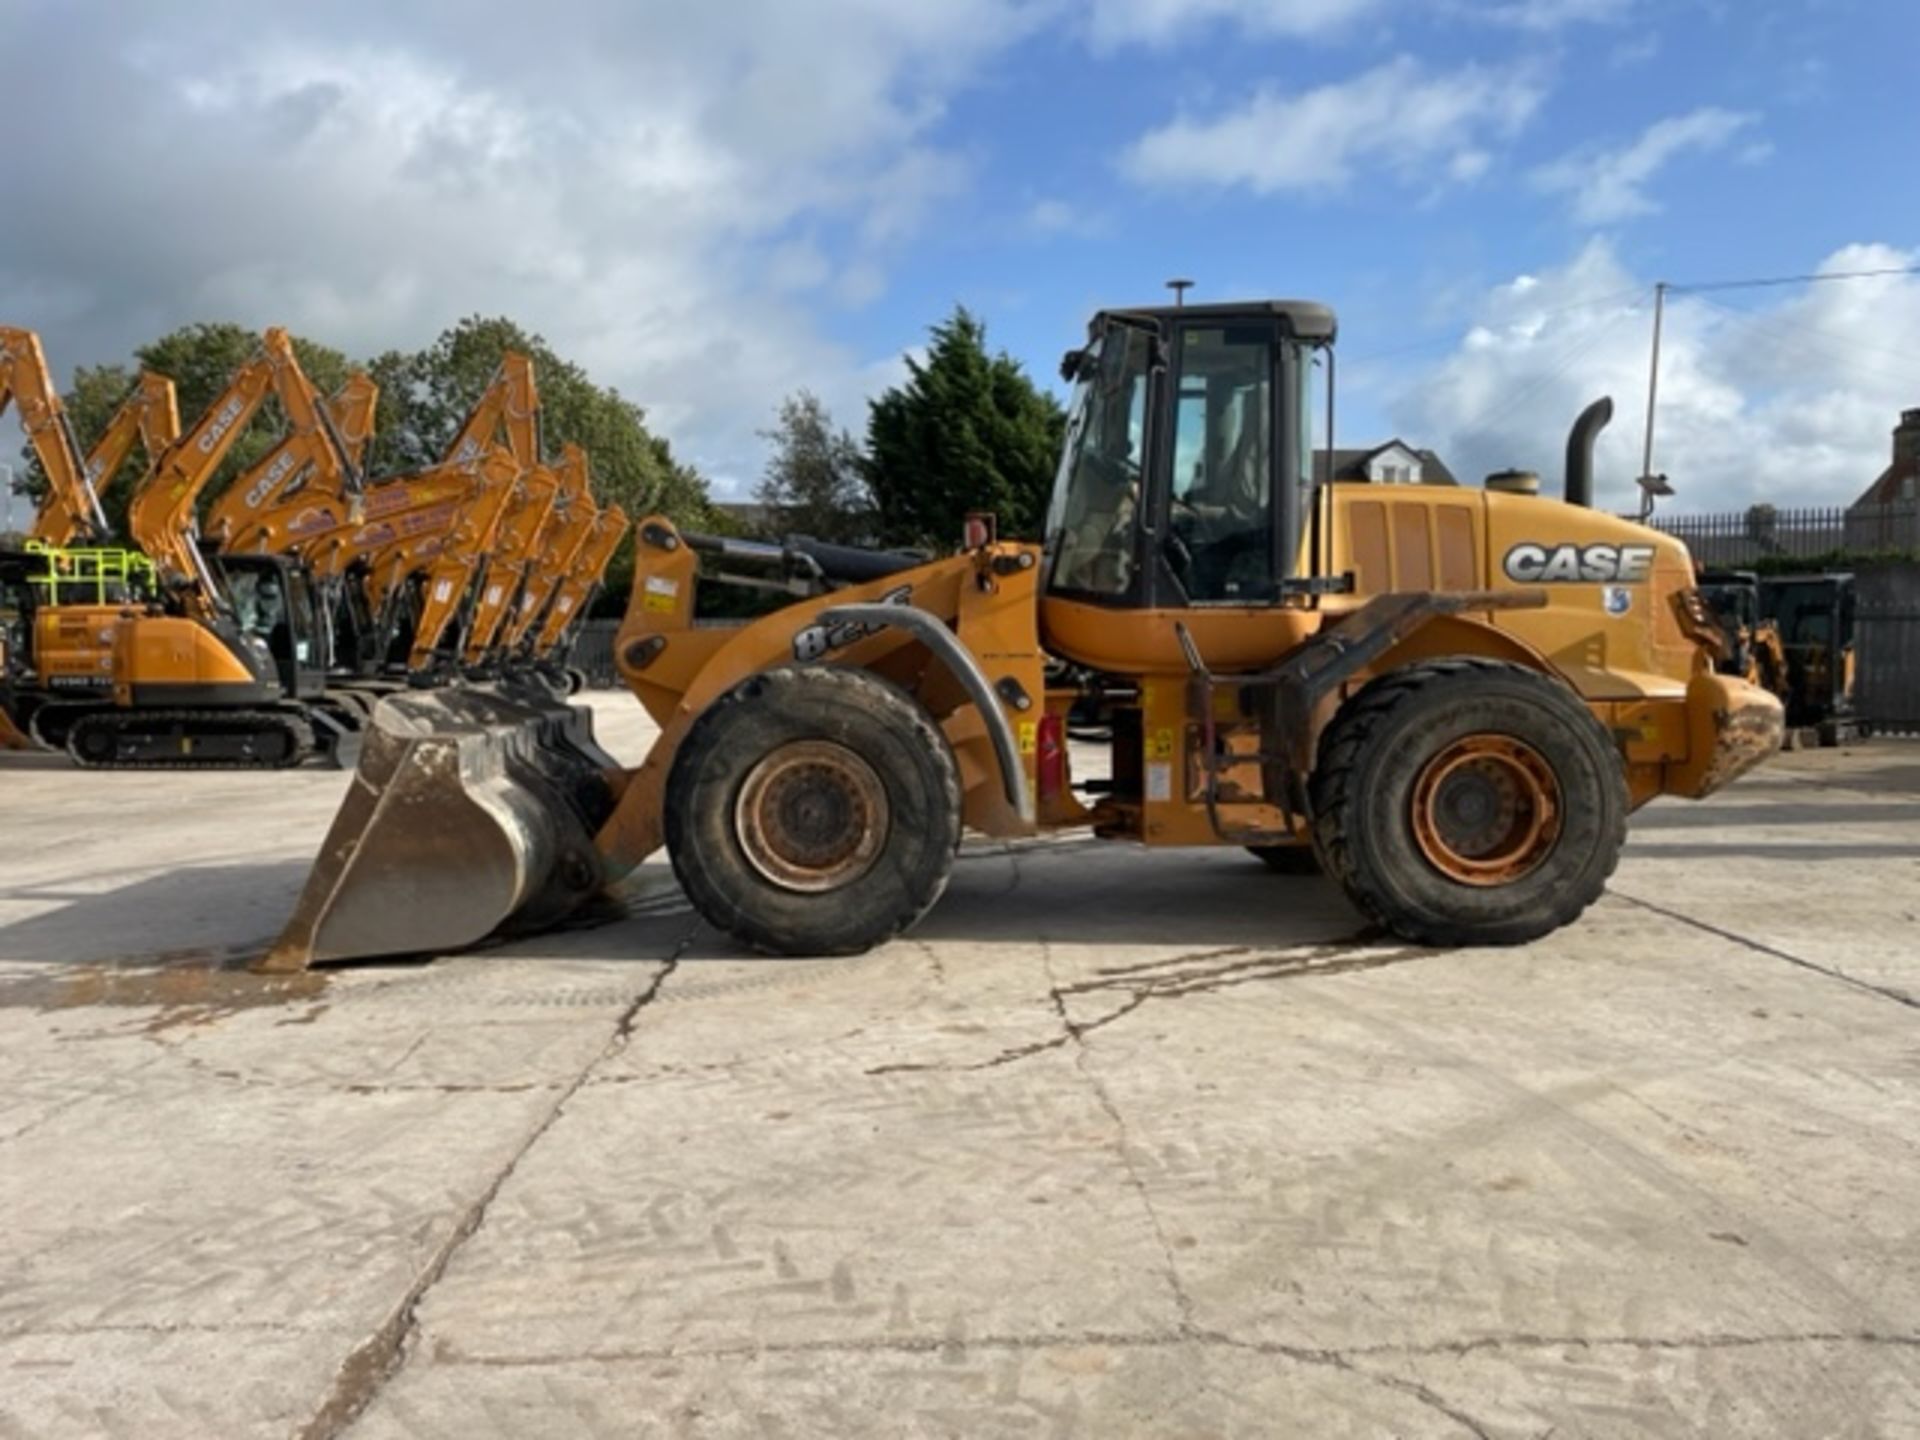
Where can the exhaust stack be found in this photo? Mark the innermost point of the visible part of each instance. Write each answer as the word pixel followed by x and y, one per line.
pixel 1580 440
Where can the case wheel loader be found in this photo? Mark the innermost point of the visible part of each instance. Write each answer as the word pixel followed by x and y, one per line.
pixel 1451 698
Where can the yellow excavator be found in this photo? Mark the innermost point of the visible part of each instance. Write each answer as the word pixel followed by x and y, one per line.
pixel 1455 697
pixel 61 596
pixel 229 667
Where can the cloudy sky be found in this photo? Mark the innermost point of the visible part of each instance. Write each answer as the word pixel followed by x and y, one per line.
pixel 712 204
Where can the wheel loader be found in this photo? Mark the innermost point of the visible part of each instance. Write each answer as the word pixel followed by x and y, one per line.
pixel 1453 697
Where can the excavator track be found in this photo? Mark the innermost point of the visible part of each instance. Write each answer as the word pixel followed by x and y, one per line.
pixel 190 740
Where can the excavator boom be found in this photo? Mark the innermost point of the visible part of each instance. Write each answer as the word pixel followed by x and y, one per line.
pixel 316 467
pixel 161 516
pixel 72 509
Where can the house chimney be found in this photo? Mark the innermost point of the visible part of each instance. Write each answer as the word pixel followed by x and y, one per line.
pixel 1906 438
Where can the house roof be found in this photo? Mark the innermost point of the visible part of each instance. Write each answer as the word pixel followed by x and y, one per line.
pixel 1906 466
pixel 1352 464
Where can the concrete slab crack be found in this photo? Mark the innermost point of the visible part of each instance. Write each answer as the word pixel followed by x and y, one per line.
pixel 366 1370
pixel 1885 992
pixel 1123 1142
pixel 1175 978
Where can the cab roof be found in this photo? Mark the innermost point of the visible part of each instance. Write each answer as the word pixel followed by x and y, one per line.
pixel 1303 319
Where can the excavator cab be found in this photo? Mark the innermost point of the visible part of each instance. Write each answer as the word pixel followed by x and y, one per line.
pixel 275 603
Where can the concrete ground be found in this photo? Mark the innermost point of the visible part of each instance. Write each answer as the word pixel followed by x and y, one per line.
pixel 1115 1144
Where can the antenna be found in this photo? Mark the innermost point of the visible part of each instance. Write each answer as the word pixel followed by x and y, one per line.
pixel 1179 289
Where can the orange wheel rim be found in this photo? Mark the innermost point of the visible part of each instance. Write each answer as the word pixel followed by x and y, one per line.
pixel 1486 810
pixel 812 816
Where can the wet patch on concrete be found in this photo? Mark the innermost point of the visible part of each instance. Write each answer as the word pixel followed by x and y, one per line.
pixel 184 988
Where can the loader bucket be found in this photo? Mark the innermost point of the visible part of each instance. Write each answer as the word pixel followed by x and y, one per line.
pixel 472 811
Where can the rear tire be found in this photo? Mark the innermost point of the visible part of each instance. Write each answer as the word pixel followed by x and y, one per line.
pixel 1469 802
pixel 813 810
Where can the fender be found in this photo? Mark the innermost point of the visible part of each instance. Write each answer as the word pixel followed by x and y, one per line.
pixel 945 647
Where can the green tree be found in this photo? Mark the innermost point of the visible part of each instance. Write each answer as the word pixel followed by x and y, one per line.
pixel 425 396
pixel 967 431
pixel 813 484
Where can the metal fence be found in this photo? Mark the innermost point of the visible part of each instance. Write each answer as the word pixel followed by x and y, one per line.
pixel 1767 533
pixel 1886 647
pixel 593 653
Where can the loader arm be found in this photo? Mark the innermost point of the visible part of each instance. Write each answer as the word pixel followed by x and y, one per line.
pixel 71 509
pixel 308 471
pixel 561 542
pixel 574 596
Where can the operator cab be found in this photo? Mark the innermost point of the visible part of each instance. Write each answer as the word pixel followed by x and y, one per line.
pixel 1187 474
pixel 275 613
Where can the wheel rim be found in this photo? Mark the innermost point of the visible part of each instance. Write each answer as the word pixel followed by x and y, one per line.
pixel 1486 810
pixel 812 816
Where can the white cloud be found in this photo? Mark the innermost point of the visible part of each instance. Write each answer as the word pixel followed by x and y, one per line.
pixel 1112 23
pixel 1398 117
pixel 1542 15
pixel 1607 186
pixel 675 195
pixel 1784 400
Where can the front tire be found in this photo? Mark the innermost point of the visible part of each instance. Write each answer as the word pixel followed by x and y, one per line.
pixel 813 810
pixel 1469 802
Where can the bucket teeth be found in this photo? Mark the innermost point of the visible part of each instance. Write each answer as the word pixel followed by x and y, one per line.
pixel 472 811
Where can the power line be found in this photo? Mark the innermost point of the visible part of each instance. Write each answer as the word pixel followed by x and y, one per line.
pixel 1540 317
pixel 1822 277
pixel 1796 329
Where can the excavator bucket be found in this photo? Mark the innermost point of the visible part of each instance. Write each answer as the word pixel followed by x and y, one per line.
pixel 473 811
pixel 11 737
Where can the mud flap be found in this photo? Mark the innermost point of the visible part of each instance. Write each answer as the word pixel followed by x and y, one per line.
pixel 472 811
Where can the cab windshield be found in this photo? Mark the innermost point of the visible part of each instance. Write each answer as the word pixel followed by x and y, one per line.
pixel 1091 532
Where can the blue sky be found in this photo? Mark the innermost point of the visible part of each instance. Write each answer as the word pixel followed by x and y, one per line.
pixel 712 207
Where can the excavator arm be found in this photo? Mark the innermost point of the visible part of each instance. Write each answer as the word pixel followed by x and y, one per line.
pixel 562 539
pixel 311 473
pixel 71 510
pixel 161 517
pixel 150 415
pixel 399 512
pixel 450 574
pixel 510 403
pixel 585 575
pixel 509 560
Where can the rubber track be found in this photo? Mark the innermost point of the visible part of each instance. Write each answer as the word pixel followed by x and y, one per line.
pixel 299 729
pixel 1341 744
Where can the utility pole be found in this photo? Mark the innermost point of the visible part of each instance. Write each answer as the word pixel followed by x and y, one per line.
pixel 1179 289
pixel 1647 491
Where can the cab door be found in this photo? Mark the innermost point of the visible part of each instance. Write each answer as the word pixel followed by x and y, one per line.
pixel 1232 507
